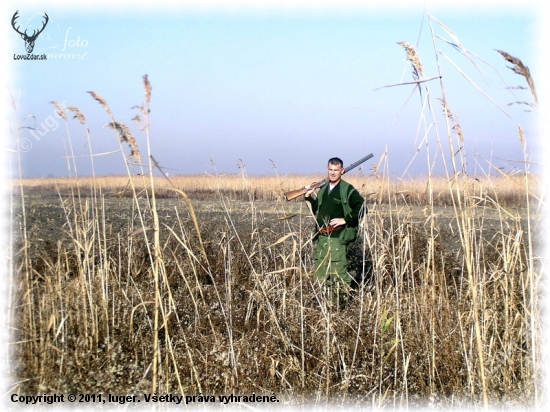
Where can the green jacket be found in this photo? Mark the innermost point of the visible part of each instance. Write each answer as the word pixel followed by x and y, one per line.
pixel 342 201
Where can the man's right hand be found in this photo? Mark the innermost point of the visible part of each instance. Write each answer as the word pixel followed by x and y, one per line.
pixel 310 188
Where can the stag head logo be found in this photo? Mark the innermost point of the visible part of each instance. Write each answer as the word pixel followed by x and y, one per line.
pixel 29 40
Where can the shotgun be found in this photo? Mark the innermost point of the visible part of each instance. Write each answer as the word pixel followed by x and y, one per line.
pixel 295 193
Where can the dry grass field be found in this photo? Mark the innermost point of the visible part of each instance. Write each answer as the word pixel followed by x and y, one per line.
pixel 227 303
pixel 504 189
pixel 195 285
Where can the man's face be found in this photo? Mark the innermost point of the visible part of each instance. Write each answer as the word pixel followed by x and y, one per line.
pixel 334 173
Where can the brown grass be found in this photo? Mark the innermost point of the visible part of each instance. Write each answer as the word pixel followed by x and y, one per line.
pixel 506 189
pixel 246 316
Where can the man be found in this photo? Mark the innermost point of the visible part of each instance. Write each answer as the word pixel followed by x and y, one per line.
pixel 337 208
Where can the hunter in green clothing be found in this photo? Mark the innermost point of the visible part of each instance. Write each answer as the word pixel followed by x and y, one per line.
pixel 337 208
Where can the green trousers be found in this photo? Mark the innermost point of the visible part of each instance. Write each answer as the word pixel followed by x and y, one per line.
pixel 330 266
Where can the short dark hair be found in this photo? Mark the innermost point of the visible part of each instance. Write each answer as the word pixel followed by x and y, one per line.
pixel 336 161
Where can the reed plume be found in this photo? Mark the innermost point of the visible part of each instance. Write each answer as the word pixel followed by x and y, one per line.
pixel 77 114
pixel 60 110
pixel 521 69
pixel 102 102
pixel 125 136
pixel 412 56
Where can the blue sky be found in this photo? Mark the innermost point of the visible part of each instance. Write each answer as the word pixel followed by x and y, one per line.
pixel 296 86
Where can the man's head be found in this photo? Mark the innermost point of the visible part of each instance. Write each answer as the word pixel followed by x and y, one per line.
pixel 335 168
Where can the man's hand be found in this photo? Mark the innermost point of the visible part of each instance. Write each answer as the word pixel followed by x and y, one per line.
pixel 337 221
pixel 309 189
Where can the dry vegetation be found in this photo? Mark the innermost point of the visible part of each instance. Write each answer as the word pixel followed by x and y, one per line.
pixel 121 300
pixel 505 189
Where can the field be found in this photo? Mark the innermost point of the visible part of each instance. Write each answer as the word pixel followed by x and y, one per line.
pixel 447 311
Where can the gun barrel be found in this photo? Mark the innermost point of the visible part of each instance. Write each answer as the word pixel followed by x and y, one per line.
pixel 293 194
pixel 357 163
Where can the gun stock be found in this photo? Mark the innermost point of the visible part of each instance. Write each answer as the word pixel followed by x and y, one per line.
pixel 293 194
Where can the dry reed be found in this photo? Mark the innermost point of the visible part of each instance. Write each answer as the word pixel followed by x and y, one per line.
pixel 521 69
